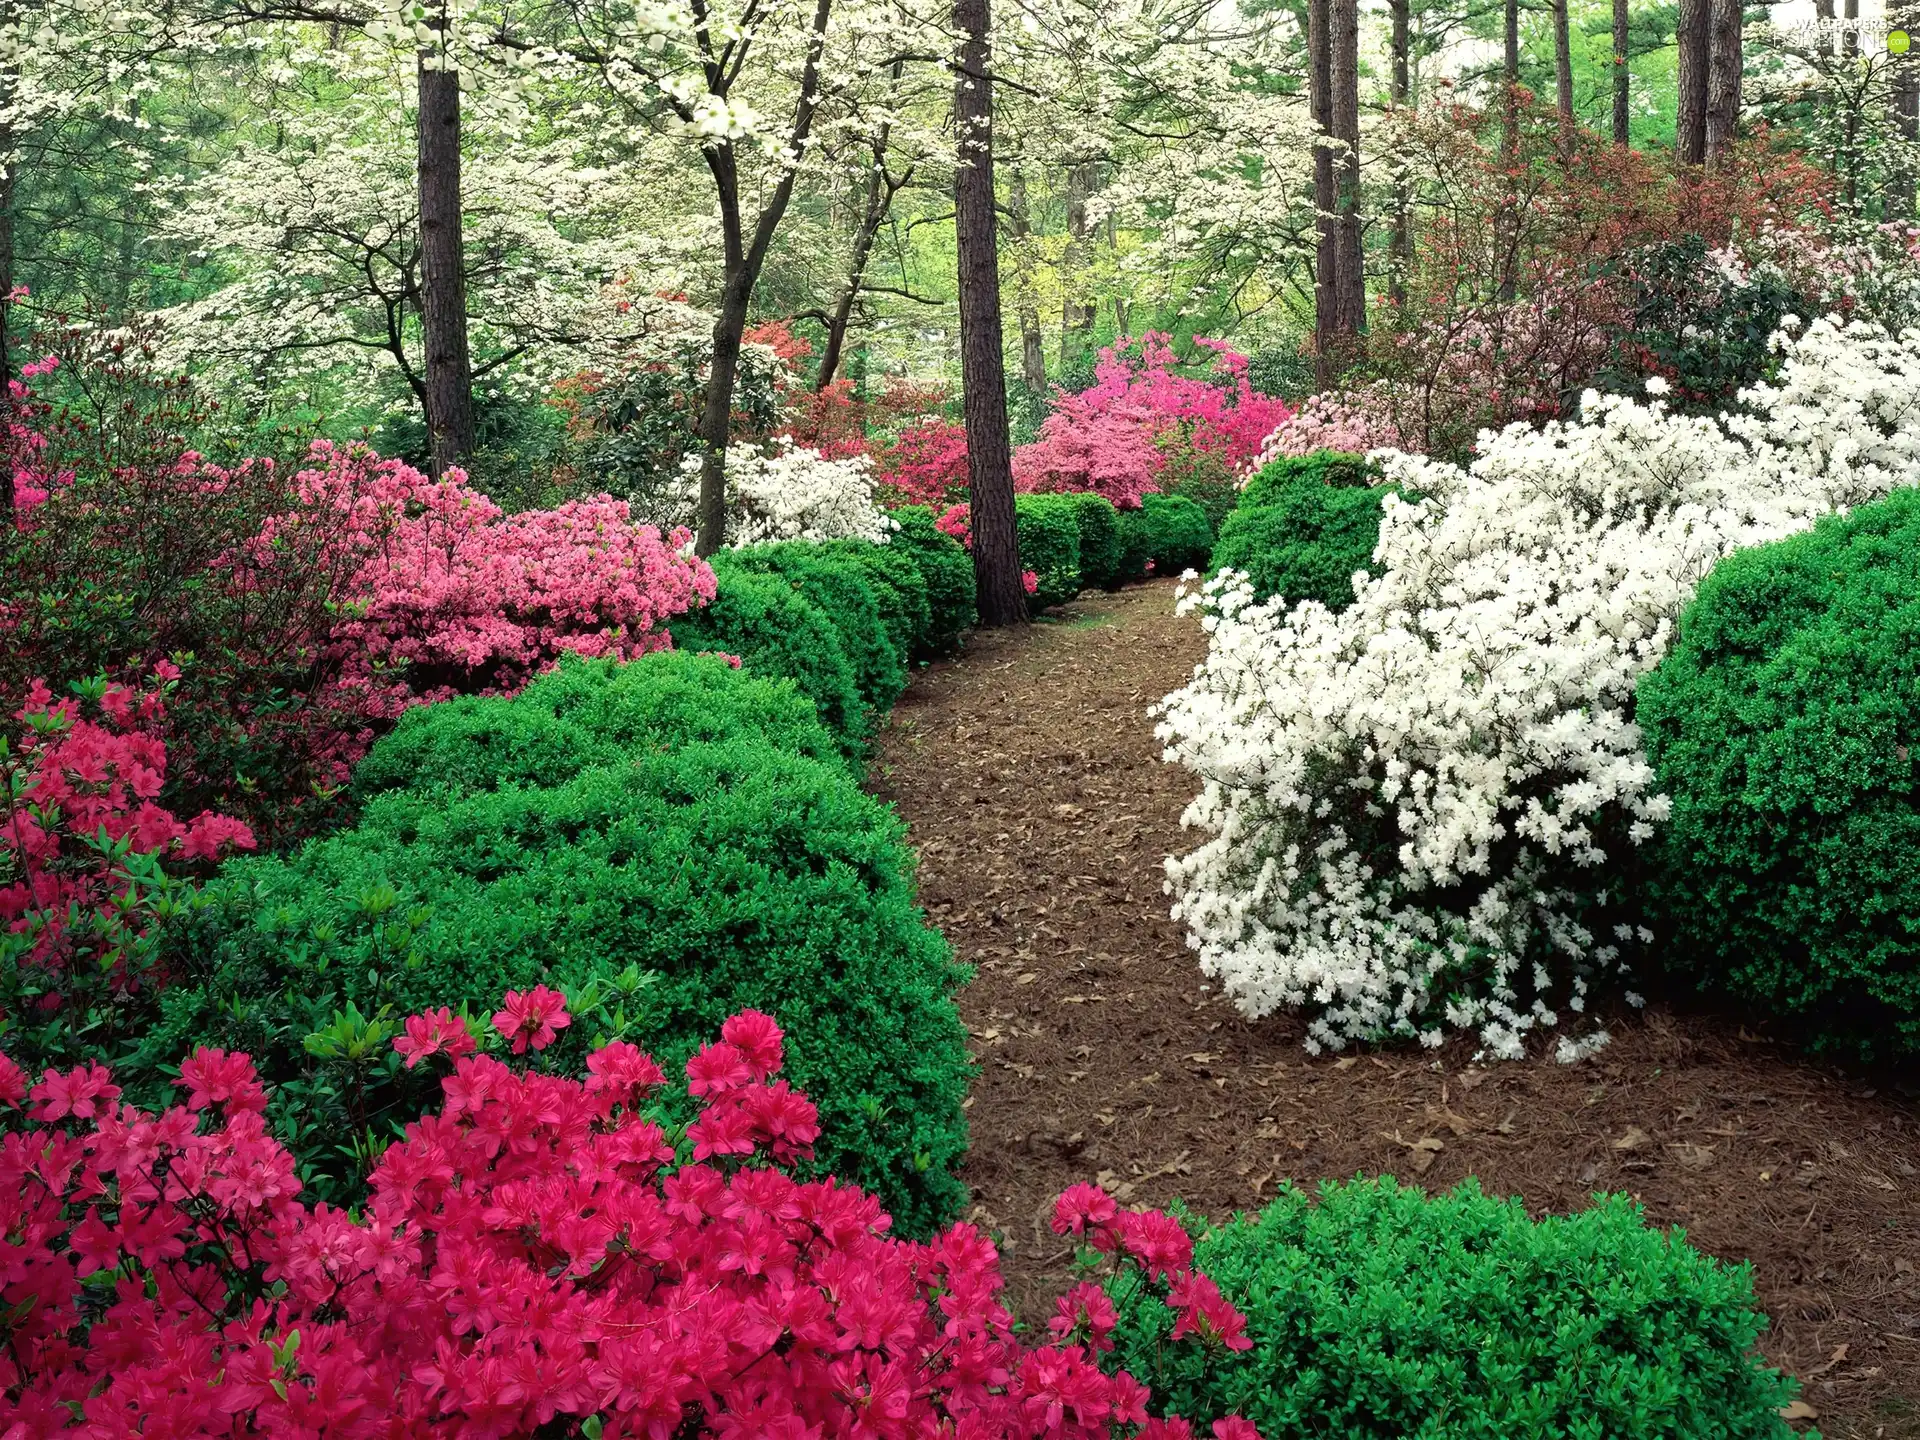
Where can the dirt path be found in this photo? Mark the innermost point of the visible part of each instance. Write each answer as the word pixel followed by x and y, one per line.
pixel 1029 775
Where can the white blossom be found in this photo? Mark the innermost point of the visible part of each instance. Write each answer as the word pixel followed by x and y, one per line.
pixel 1417 812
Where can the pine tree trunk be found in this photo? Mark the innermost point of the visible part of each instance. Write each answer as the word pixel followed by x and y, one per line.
pixel 1723 76
pixel 1076 310
pixel 1326 300
pixel 1349 268
pixel 1903 104
pixel 1000 597
pixel 443 274
pixel 1400 223
pixel 1622 75
pixel 1033 358
pixel 1690 120
pixel 1562 63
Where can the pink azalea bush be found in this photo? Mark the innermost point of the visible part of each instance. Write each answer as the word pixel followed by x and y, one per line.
pixel 1104 439
pixel 541 1256
pixel 927 463
pixel 1352 422
pixel 957 521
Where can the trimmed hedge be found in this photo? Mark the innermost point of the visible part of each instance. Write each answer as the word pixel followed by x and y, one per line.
pixel 1337 469
pixel 1785 725
pixel 839 588
pixel 898 585
pixel 1378 1312
pixel 777 631
pixel 1171 531
pixel 1048 528
pixel 731 873
pixel 587 713
pixel 948 571
pixel 1304 542
pixel 1100 549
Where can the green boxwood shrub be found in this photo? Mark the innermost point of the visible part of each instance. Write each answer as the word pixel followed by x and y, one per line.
pixel 1335 468
pixel 1100 549
pixel 1305 541
pixel 947 569
pixel 1785 725
pixel 1049 535
pixel 1378 1312
pixel 1169 530
pixel 727 875
pixel 1200 474
pixel 839 589
pixel 898 585
pixel 776 630
pixel 585 713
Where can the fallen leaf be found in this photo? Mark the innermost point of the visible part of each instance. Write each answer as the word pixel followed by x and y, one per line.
pixel 1694 1157
pixel 1027 979
pixel 1201 1057
pixel 1634 1139
pixel 1445 1115
pixel 1839 1354
pixel 1346 1064
pixel 1423 1150
pixel 1799 1410
pixel 1470 1079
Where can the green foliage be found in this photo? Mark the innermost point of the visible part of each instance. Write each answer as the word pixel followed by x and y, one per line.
pixel 777 631
pixel 1305 540
pixel 1169 530
pixel 1201 475
pixel 586 713
pixel 1784 724
pixel 1100 549
pixel 669 888
pixel 898 586
pixel 947 569
pixel 1378 1312
pixel 838 588
pixel 1049 535
pixel 1706 332
pixel 1285 370
pixel 1335 468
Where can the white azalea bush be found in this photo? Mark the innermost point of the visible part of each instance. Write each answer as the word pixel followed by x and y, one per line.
pixel 1421 813
pixel 792 493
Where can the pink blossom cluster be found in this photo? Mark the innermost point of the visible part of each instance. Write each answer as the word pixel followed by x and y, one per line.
pixel 1351 421
pixel 72 780
pixel 25 444
pixel 927 463
pixel 452 596
pixel 531 1259
pixel 1106 438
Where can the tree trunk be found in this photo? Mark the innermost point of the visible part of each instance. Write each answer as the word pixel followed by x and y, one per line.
pixel 1723 76
pixel 1823 14
pixel 1400 223
pixel 1350 272
pixel 1690 119
pixel 1562 63
pixel 1903 104
pixel 1850 36
pixel 1622 76
pixel 1326 302
pixel 1033 358
pixel 1076 310
pixel 1507 227
pixel 8 369
pixel 879 200
pixel 443 277
pixel 743 260
pixel 1000 597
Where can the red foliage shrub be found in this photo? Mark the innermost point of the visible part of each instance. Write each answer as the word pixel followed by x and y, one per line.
pixel 540 1257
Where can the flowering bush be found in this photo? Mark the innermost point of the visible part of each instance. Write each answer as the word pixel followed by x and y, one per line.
pixel 927 463
pixel 792 493
pixel 1353 422
pixel 541 1251
pixel 84 857
pixel 305 606
pixel 1105 438
pixel 1423 811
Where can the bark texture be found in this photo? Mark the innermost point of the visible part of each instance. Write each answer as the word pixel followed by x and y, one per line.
pixel 1622 74
pixel 443 269
pixel 1690 119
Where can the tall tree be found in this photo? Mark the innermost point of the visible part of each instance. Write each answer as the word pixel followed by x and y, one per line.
pixel 1690 118
pixel 1400 222
pixel 1000 597
pixel 1903 106
pixel 1507 221
pixel 882 186
pixel 1077 309
pixel 1724 64
pixel 1033 357
pixel 1622 74
pixel 1562 63
pixel 1350 287
pixel 443 282
pixel 1326 294
pixel 1850 32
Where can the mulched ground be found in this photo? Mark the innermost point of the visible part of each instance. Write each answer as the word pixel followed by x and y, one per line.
pixel 1041 810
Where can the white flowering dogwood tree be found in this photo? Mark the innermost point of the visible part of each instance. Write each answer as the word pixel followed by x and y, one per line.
pixel 1421 814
